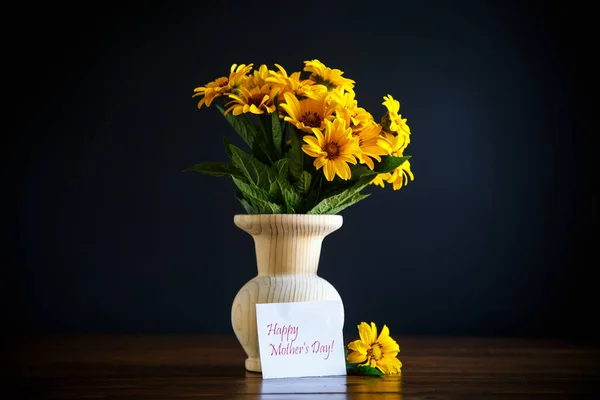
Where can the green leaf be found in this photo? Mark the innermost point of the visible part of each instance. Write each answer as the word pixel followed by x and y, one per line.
pixel 281 188
pixel 278 176
pixel 338 186
pixel 250 209
pixel 338 202
pixel 257 198
pixel 357 369
pixel 295 154
pixel 281 168
pixel 303 183
pixel 389 163
pixel 368 370
pixel 241 124
pixel 292 200
pixel 260 152
pixel 253 170
pixel 263 142
pixel 348 202
pixel 359 171
pixel 335 204
pixel 277 132
pixel 215 169
pixel 251 192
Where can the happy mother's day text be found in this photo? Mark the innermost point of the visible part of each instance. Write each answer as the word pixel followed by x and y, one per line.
pixel 288 334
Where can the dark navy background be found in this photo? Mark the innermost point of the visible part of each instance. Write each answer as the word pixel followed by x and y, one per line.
pixel 495 236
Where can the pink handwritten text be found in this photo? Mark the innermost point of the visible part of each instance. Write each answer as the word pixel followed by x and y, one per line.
pixel 284 331
pixel 288 349
pixel 317 347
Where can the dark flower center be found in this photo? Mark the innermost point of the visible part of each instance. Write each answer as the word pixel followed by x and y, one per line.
pixel 256 99
pixel 376 351
pixel 333 150
pixel 313 120
pixel 322 81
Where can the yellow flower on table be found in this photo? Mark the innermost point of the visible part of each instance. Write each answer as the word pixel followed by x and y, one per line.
pixel 333 150
pixel 376 351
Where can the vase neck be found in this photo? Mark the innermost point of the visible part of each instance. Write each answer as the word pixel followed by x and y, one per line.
pixel 288 243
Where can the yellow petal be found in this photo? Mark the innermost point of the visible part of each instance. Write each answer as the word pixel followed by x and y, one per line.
pixel 312 151
pixel 368 161
pixel 373 330
pixel 347 158
pixel 390 347
pixel 365 333
pixel 255 110
pixel 317 132
pixel 294 110
pixel 385 333
pixel 329 171
pixel 389 365
pixel 288 110
pixel 343 170
pixel 319 162
pixel 359 346
pixel 355 357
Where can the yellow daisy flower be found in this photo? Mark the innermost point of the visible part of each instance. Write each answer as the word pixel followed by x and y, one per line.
pixel 334 150
pixel 368 141
pixel 392 121
pixel 377 352
pixel 223 85
pixel 380 179
pixel 346 107
pixel 400 176
pixel 331 78
pixel 395 144
pixel 256 100
pixel 306 114
pixel 259 77
pixel 301 88
pixel 211 90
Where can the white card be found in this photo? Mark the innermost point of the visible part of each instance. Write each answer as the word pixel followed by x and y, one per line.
pixel 301 339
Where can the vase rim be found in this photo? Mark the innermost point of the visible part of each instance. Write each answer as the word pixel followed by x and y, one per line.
pixel 296 215
pixel 254 223
pixel 330 217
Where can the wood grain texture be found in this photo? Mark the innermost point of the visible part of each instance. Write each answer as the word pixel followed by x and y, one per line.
pixel 187 366
pixel 288 248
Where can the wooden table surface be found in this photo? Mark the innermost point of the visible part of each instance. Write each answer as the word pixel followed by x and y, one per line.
pixel 188 366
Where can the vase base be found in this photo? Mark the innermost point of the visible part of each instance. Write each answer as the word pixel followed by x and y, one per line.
pixel 253 364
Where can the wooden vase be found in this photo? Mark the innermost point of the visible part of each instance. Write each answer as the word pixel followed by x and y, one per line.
pixel 288 247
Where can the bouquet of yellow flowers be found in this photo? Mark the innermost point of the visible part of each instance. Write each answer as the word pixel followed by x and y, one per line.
pixel 311 148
